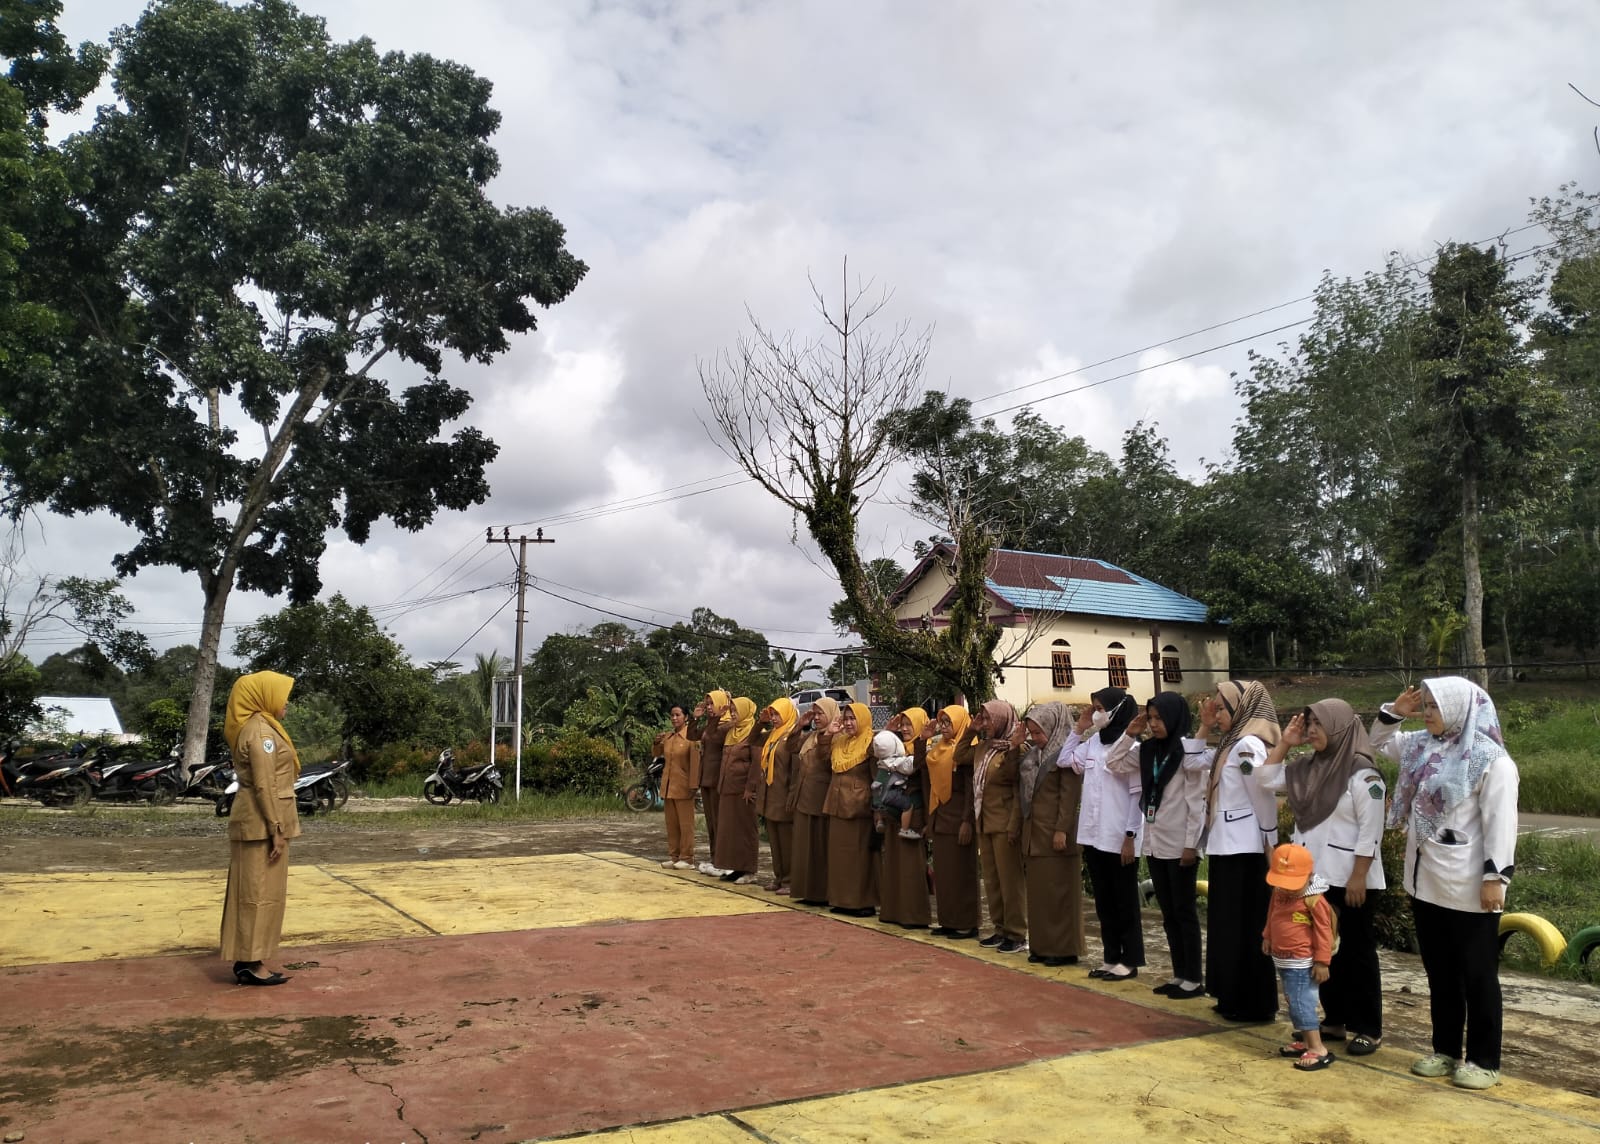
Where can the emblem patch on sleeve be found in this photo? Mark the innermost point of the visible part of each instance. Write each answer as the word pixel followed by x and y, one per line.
pixel 268 746
pixel 1375 790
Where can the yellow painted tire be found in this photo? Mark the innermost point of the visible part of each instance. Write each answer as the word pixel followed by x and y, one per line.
pixel 1201 886
pixel 1583 950
pixel 1551 944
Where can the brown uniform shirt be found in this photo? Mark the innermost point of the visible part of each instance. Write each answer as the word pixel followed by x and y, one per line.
pixel 266 764
pixel 1002 809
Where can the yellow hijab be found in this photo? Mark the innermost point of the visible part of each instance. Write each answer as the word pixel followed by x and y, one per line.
pixel 918 718
pixel 942 756
pixel 851 752
pixel 787 718
pixel 261 693
pixel 743 717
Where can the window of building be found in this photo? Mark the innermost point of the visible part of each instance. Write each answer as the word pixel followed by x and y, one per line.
pixel 1117 666
pixel 1060 664
pixel 1171 671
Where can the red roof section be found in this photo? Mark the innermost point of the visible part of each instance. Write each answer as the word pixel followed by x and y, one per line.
pixel 1012 569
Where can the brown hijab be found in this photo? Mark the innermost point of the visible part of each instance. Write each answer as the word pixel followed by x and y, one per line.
pixel 1315 786
pixel 1002 721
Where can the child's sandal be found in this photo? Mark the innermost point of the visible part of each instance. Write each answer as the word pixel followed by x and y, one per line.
pixel 1310 1062
pixel 1293 1049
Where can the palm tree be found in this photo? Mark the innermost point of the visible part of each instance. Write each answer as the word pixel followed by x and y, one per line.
pixel 791 670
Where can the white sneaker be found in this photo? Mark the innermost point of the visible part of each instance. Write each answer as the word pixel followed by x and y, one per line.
pixel 681 865
pixel 1434 1064
pixel 667 864
pixel 708 868
pixel 1470 1075
pixel 744 879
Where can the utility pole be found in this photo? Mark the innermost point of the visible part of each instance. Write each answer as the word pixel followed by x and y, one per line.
pixel 522 543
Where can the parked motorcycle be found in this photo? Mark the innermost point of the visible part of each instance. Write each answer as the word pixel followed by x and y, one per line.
pixel 210 779
pixel 448 781
pixel 129 780
pixel 58 779
pixel 646 793
pixel 320 787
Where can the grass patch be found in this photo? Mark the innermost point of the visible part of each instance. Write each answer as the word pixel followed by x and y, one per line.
pixel 532 807
pixel 1558 879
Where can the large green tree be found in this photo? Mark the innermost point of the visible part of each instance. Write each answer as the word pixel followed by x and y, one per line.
pixel 278 242
pixel 1486 438
pixel 41 74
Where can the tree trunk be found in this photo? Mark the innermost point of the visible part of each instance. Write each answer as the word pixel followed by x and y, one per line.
pixel 217 589
pixel 1472 572
pixel 1272 650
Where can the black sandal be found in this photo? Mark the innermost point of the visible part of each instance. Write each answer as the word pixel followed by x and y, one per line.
pixel 244 974
pixel 1362 1045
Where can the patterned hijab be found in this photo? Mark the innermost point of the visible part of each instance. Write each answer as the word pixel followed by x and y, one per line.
pixel 1253 714
pixel 1002 721
pixel 1051 718
pixel 941 757
pixel 1315 787
pixel 851 752
pixel 1438 773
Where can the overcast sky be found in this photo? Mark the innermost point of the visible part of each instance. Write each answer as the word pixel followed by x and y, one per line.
pixel 1046 184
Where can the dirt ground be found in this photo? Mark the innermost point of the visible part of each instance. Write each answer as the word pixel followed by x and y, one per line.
pixel 1549 1024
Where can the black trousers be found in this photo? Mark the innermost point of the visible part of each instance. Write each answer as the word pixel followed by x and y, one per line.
pixel 1461 956
pixel 1353 994
pixel 1116 905
pixel 1175 894
pixel 1238 974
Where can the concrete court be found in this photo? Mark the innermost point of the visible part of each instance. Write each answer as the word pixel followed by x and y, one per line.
pixel 511 999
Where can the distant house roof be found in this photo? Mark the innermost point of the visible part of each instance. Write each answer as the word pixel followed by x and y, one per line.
pixel 81 715
pixel 1040 582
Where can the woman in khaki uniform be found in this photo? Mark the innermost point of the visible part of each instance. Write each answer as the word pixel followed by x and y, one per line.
pixel 260 826
pixel 771 781
pixel 852 870
pixel 679 779
pixel 903 885
pixel 945 764
pixel 1051 857
pixel 738 849
pixel 999 815
pixel 716 711
pixel 808 790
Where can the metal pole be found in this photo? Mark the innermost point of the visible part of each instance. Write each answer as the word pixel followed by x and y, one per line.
pixel 522 615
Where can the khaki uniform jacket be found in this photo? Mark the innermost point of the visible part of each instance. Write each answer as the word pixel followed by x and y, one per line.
pixel 949 816
pixel 681 775
pixel 1054 809
pixel 710 736
pixel 264 762
pixel 741 764
pixel 1002 809
pixel 772 799
pixel 808 782
pixel 849 792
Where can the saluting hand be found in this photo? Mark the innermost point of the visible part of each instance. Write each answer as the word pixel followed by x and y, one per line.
pixel 1138 724
pixel 1408 703
pixel 1085 721
pixel 1294 734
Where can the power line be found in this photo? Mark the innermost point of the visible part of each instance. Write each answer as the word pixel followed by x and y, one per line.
pixel 480 627
pixel 667 612
pixel 689 633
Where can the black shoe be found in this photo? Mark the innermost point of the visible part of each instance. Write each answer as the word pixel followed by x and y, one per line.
pixel 963 935
pixel 850 912
pixel 1128 976
pixel 1058 962
pixel 993 940
pixel 1166 990
pixel 1011 945
pixel 248 977
pixel 1035 959
pixel 1097 973
pixel 942 931
pixel 1179 993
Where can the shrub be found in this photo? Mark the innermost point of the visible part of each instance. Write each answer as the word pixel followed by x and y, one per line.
pixel 573 763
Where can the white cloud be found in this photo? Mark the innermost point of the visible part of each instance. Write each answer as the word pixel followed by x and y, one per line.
pixel 1048 186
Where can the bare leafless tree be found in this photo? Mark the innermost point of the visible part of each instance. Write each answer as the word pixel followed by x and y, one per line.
pixel 810 420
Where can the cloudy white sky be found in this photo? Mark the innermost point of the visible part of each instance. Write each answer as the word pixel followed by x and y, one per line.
pixel 1047 184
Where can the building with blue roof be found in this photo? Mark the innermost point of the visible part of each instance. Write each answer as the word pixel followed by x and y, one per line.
pixel 1075 624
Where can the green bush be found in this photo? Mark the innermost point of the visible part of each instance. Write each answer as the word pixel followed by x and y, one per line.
pixel 573 763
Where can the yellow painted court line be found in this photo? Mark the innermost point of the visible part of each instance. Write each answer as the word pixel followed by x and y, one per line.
pixel 47 918
pixel 705 1130
pixel 1224 1087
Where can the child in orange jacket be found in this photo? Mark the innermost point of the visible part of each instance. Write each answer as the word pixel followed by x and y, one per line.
pixel 1299 938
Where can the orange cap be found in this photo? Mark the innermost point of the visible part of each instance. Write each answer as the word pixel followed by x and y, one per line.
pixel 1290 866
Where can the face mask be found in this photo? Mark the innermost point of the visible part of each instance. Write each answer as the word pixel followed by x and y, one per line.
pixel 1099 719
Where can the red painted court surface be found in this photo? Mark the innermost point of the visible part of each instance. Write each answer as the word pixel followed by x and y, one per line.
pixel 507 1036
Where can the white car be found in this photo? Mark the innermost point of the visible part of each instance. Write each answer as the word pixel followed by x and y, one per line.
pixel 803 700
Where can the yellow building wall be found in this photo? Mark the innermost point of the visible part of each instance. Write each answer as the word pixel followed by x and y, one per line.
pixel 1202 650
